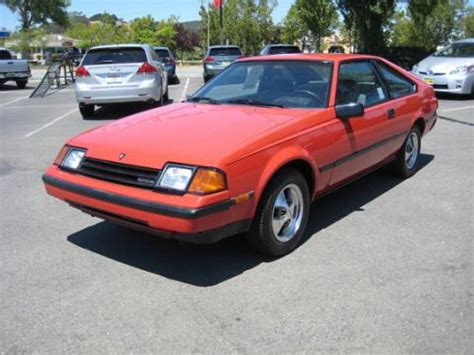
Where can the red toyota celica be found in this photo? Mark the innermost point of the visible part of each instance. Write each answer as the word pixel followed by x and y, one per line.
pixel 250 150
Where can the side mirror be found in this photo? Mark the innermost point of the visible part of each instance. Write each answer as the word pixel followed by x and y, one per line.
pixel 349 110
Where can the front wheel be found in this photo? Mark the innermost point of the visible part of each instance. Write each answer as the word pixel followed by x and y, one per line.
pixel 407 161
pixel 282 215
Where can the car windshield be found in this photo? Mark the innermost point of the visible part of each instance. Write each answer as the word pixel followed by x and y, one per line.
pixel 225 51
pixel 283 50
pixel 115 56
pixel 457 50
pixel 288 84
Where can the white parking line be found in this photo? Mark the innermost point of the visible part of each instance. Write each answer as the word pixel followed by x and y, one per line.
pixel 457 109
pixel 50 123
pixel 183 96
pixel 12 101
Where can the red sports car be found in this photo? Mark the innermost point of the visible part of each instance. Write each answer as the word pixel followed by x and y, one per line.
pixel 250 150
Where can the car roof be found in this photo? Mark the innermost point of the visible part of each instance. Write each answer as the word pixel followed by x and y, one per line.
pixel 124 45
pixel 224 46
pixel 334 57
pixel 465 40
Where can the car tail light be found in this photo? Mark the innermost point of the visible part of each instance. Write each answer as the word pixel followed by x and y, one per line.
pixel 146 68
pixel 82 72
pixel 208 59
pixel 241 56
pixel 171 61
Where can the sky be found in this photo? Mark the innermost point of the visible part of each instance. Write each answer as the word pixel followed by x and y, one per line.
pixel 186 10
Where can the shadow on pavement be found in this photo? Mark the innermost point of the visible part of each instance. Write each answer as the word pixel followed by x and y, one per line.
pixel 209 265
pixel 12 87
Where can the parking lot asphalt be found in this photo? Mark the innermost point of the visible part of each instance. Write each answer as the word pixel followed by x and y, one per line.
pixel 387 265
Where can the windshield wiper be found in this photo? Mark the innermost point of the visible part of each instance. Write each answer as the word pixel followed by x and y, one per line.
pixel 252 102
pixel 203 98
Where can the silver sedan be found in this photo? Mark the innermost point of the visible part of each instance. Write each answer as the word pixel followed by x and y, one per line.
pixel 451 69
pixel 120 73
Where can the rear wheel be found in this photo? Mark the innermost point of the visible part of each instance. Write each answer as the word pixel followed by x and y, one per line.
pixel 86 110
pixel 282 215
pixel 406 163
pixel 21 83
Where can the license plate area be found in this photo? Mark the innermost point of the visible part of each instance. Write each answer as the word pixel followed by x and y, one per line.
pixel 428 80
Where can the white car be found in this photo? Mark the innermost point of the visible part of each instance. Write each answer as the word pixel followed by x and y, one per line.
pixel 120 73
pixel 450 69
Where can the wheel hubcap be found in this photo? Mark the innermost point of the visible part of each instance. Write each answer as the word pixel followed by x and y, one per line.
pixel 287 213
pixel 412 149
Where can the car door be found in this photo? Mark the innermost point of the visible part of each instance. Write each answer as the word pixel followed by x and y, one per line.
pixel 369 138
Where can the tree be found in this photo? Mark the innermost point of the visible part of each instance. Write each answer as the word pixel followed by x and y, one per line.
pixel 368 21
pixel 33 12
pixel 185 40
pixel 467 23
pixel 319 17
pixel 144 30
pixel 294 28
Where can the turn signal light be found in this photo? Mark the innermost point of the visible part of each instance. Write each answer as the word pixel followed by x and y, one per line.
pixel 146 68
pixel 207 181
pixel 62 153
pixel 82 72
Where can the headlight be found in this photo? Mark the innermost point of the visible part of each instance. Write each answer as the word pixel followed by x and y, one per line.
pixel 414 69
pixel 176 177
pixel 463 69
pixel 73 158
pixel 196 180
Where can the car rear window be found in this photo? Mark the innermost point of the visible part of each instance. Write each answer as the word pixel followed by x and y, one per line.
pixel 283 50
pixel 115 56
pixel 5 55
pixel 225 51
pixel 162 53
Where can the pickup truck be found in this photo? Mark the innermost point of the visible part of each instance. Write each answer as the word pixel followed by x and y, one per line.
pixel 11 69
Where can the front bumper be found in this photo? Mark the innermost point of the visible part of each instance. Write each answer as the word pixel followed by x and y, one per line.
pixel 454 84
pixel 203 225
pixel 89 94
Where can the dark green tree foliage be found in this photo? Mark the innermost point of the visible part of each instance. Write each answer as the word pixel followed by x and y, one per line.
pixel 34 12
pixel 368 21
pixel 319 18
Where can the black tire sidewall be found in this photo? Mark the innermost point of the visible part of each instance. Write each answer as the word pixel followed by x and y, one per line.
pixel 262 236
pixel 405 171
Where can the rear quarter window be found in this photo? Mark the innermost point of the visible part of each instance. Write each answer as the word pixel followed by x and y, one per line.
pixel 225 51
pixel 115 56
pixel 398 84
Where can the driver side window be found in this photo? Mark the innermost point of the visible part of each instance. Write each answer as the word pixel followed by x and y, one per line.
pixel 358 83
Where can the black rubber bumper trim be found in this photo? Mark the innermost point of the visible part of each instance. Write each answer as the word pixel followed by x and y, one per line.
pixel 159 208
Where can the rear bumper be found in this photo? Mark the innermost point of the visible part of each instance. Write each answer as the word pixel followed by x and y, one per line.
pixel 117 94
pixel 203 225
pixel 15 76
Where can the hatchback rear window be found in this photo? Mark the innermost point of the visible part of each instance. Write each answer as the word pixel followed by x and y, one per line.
pixel 162 53
pixel 115 56
pixel 5 55
pixel 234 51
pixel 283 50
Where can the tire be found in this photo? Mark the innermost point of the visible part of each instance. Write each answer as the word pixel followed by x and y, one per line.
pixel 21 83
pixel 86 110
pixel 408 158
pixel 289 185
pixel 166 96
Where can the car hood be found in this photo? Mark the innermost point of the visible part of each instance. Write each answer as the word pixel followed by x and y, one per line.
pixel 443 64
pixel 200 134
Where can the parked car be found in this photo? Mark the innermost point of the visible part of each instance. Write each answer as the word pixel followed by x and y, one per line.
pixel 120 73
pixel 167 57
pixel 451 69
pixel 217 58
pixel 250 150
pixel 271 49
pixel 17 70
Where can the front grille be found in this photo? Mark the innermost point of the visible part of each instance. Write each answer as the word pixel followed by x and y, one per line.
pixel 440 86
pixel 120 173
pixel 425 73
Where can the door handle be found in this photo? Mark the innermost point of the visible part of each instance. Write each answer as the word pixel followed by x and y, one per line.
pixel 391 113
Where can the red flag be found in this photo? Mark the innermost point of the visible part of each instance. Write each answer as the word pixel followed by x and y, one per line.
pixel 217 3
